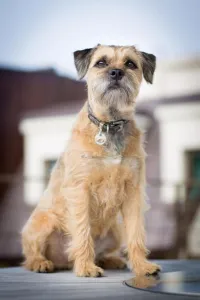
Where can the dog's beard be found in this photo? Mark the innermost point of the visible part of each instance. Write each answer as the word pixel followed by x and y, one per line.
pixel 113 94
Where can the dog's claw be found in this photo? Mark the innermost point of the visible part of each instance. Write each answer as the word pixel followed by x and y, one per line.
pixel 154 273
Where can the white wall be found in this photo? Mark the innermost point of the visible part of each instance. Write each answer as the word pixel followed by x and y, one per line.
pixel 179 132
pixel 44 139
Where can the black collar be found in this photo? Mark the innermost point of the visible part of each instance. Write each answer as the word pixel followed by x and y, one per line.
pixel 112 126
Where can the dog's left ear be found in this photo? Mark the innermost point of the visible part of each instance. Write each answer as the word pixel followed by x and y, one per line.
pixel 148 66
pixel 82 61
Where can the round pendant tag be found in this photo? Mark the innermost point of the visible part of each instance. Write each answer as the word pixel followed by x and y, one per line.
pixel 100 138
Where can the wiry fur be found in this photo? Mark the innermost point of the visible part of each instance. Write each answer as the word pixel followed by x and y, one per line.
pixel 75 223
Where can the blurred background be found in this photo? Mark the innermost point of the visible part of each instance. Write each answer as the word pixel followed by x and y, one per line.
pixel 40 97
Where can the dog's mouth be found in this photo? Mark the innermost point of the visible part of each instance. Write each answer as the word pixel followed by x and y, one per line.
pixel 114 85
pixel 114 90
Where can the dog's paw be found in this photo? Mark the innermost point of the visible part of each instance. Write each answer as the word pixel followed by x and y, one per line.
pixel 88 270
pixel 39 265
pixel 112 262
pixel 147 268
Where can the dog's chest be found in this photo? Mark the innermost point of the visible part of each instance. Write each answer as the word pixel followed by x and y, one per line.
pixel 108 185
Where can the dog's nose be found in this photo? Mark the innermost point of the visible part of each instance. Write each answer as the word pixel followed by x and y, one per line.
pixel 116 74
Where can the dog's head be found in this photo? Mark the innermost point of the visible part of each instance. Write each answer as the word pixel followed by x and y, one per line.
pixel 114 73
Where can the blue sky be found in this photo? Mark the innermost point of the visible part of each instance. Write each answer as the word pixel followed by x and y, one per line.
pixel 44 33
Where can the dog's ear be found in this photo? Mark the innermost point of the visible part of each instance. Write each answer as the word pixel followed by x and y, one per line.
pixel 148 66
pixel 82 61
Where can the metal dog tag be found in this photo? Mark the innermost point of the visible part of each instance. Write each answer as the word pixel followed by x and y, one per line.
pixel 100 137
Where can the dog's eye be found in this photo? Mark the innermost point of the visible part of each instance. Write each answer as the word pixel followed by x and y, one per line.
pixel 130 64
pixel 101 64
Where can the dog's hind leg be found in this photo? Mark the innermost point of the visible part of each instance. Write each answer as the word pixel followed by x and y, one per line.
pixel 34 240
pixel 58 242
pixel 41 224
pixel 107 250
pixel 112 262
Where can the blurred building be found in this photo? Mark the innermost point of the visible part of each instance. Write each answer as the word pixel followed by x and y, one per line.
pixel 21 93
pixel 37 113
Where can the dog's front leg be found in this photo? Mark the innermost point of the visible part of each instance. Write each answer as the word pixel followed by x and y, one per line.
pixel 133 215
pixel 81 250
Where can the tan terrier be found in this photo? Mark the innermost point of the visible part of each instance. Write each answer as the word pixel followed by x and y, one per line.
pixel 100 175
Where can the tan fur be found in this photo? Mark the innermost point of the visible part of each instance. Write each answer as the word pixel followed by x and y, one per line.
pixel 75 222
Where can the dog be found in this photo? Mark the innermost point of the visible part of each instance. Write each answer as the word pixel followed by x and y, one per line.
pixel 100 175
